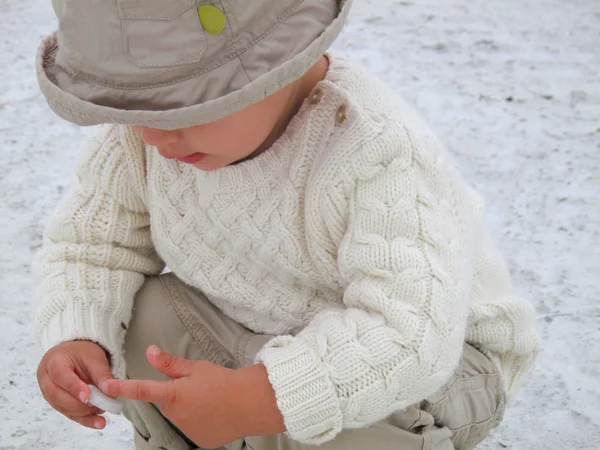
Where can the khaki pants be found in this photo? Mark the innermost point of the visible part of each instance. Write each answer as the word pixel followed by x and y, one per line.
pixel 181 321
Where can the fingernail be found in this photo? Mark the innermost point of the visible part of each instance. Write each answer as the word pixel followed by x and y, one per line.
pixel 97 424
pixel 154 350
pixel 104 387
pixel 82 398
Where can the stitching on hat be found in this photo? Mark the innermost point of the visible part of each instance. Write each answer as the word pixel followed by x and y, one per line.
pixel 244 69
pixel 177 63
pixel 140 17
pixel 231 44
pixel 126 16
pixel 178 80
pixel 153 115
pixel 270 30
pixel 231 18
pixel 148 116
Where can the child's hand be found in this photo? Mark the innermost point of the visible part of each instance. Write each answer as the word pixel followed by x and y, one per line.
pixel 63 375
pixel 196 400
pixel 211 404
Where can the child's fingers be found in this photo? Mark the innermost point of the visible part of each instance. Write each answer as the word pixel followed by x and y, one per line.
pixel 151 391
pixel 171 365
pixel 95 422
pixel 65 377
pixel 68 405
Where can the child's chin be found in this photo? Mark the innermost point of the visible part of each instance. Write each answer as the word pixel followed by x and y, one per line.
pixel 208 166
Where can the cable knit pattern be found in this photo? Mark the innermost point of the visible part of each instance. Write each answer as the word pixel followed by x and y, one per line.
pixel 353 239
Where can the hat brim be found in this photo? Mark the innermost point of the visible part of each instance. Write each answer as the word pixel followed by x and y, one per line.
pixel 85 113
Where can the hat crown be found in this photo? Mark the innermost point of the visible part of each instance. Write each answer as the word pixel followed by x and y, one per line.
pixel 114 39
pixel 163 55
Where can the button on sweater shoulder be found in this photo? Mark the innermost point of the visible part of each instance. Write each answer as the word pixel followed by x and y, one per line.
pixel 354 239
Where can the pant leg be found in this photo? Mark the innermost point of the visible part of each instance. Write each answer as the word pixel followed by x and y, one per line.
pixel 472 402
pixel 459 416
pixel 181 321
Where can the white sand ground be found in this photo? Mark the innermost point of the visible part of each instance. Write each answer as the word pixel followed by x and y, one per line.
pixel 512 87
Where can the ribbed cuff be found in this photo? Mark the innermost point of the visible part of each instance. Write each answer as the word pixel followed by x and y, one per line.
pixel 82 322
pixel 306 396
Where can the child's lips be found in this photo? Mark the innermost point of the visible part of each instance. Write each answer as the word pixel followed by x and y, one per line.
pixel 192 159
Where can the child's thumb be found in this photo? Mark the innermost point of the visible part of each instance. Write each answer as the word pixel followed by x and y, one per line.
pixel 170 365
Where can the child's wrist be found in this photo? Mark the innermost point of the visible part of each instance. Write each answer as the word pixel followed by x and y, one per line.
pixel 252 402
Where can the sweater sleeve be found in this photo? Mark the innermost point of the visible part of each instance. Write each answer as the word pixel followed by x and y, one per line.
pixel 503 325
pixel 97 249
pixel 407 260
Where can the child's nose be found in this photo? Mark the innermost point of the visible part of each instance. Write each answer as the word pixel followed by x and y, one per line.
pixel 156 137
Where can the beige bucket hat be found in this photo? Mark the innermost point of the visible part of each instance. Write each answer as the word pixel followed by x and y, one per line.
pixel 171 64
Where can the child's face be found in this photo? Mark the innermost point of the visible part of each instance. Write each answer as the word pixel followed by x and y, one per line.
pixel 227 140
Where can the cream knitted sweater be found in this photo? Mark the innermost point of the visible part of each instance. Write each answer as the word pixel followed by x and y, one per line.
pixel 353 238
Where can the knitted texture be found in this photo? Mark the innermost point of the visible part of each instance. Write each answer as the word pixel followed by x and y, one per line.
pixel 353 239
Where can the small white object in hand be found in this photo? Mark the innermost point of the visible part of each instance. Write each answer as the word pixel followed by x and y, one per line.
pixel 104 402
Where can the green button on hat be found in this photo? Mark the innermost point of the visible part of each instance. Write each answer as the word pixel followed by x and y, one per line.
pixel 212 19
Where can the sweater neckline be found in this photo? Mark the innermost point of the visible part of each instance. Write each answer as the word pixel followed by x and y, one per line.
pixel 262 169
